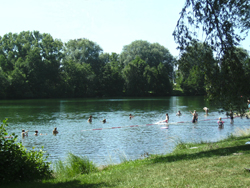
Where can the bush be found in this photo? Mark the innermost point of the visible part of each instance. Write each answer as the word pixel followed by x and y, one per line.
pixel 74 165
pixel 18 164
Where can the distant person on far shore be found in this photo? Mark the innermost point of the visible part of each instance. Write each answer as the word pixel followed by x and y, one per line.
pixel 178 113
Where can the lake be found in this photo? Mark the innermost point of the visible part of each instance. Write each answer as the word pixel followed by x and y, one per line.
pixel 121 137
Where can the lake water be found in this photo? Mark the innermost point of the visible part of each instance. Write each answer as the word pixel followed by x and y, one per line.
pixel 120 138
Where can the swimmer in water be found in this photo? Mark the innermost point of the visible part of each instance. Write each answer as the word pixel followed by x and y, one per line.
pixel 24 133
pixel 130 116
pixel 36 133
pixel 55 131
pixel 231 114
pixel 104 120
pixel 90 119
pixel 178 113
pixel 195 116
pixel 167 118
pixel 206 110
pixel 220 123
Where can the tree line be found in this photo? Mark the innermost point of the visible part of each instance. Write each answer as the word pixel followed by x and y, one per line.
pixel 34 65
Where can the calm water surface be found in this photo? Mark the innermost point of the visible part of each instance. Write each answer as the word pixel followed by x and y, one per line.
pixel 112 144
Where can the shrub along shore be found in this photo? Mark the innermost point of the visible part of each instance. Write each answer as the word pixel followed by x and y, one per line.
pixel 219 164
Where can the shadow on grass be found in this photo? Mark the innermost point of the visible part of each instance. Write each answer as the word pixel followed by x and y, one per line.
pixel 211 153
pixel 68 184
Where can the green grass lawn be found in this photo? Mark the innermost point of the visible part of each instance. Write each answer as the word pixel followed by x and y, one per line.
pixel 220 164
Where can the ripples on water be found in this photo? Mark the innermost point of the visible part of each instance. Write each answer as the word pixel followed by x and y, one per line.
pixel 113 145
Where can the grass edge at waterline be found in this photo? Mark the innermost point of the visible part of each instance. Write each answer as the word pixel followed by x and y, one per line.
pixel 73 166
pixel 206 164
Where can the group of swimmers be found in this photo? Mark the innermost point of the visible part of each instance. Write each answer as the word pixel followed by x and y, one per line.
pixel 25 133
pixel 90 119
pixel 194 119
pixel 195 116
pixel 104 120
pixel 230 114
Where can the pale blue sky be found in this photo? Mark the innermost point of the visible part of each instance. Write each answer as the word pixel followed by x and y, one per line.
pixel 110 23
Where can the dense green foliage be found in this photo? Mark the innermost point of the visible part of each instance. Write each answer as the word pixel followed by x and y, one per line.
pixel 152 54
pixel 18 164
pixel 73 166
pixel 34 65
pixel 193 66
pixel 223 24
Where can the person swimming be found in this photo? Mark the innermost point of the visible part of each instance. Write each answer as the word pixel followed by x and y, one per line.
pixel 55 131
pixel 104 120
pixel 178 113
pixel 90 119
pixel 36 133
pixel 130 116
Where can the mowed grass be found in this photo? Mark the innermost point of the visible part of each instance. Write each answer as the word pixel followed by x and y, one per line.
pixel 220 164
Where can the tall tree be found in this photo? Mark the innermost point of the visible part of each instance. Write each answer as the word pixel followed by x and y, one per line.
pixel 111 80
pixel 84 51
pixel 4 84
pixel 135 78
pixel 193 67
pixel 224 24
pixel 152 54
pixel 78 79
pixel 36 58
pixel 158 81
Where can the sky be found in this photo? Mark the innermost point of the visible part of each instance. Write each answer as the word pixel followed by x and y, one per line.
pixel 111 24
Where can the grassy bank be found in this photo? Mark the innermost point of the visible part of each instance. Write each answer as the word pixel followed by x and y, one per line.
pixel 220 164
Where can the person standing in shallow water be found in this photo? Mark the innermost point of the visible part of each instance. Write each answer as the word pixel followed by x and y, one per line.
pixel 90 119
pixel 220 123
pixel 231 115
pixel 206 110
pixel 55 131
pixel 167 118
pixel 195 116
pixel 24 133
pixel 178 113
